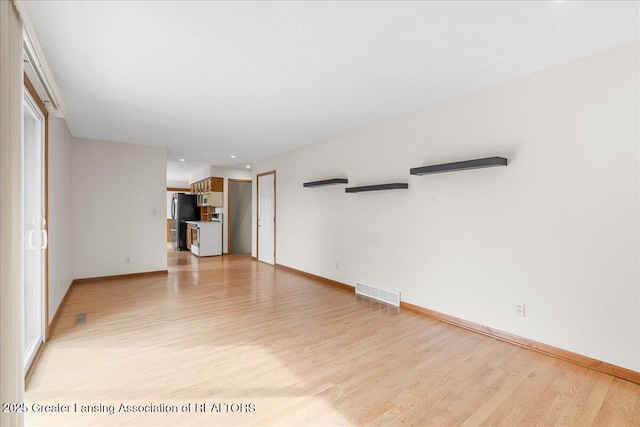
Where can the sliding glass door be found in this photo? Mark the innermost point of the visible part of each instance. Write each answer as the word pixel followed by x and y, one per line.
pixel 35 236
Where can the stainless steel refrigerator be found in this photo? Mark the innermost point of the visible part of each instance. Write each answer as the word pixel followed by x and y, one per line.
pixel 184 207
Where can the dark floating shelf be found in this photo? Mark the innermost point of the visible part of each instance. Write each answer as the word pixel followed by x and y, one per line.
pixel 457 166
pixel 333 181
pixel 378 187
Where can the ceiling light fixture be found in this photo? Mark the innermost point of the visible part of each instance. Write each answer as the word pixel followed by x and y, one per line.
pixel 233 156
pixel 182 160
pixel 248 166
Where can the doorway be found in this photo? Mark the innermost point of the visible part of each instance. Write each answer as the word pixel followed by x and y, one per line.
pixel 266 217
pixel 239 216
pixel 34 208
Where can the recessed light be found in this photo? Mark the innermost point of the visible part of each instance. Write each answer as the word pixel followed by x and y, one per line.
pixel 248 166
pixel 233 157
pixel 182 160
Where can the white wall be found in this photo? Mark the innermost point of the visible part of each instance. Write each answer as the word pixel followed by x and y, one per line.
pixel 200 174
pixel 226 173
pixel 557 229
pixel 60 220
pixel 11 283
pixel 116 188
pixel 177 184
pixel 169 198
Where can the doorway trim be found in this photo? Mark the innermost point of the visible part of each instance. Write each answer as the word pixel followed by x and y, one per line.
pixel 228 220
pixel 271 172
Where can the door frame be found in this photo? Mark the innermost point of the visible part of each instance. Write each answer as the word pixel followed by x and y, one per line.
pixel 228 220
pixel 45 203
pixel 271 172
pixel 45 207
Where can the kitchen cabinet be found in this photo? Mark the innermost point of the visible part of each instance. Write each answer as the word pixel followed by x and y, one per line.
pixel 212 184
pixel 213 198
pixel 210 194
pixel 217 185
pixel 205 213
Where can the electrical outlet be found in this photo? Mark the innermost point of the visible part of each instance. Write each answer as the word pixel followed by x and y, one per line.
pixel 520 309
pixel 127 260
pixel 337 266
pixel 154 212
pixel 139 259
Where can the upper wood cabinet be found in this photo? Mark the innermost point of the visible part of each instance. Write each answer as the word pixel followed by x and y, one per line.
pixel 217 184
pixel 208 185
pixel 213 188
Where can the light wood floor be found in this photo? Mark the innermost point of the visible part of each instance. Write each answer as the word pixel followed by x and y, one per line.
pixel 240 334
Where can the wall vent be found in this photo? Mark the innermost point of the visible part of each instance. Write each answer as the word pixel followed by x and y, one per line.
pixel 385 295
pixel 81 319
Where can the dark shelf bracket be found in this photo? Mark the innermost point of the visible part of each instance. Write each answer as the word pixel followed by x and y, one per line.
pixel 333 181
pixel 378 187
pixel 457 166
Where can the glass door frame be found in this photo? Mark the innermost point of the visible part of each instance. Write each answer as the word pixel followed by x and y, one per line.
pixel 31 97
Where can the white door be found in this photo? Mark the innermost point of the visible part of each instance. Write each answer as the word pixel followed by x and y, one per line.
pixel 35 235
pixel 267 218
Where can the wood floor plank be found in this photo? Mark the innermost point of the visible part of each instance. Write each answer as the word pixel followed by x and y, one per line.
pixel 619 404
pixel 231 331
pixel 588 400
pixel 564 386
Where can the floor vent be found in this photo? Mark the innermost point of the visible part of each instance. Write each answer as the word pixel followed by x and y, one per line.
pixel 81 318
pixel 380 294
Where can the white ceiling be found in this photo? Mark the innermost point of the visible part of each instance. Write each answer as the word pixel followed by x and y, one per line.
pixel 209 80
